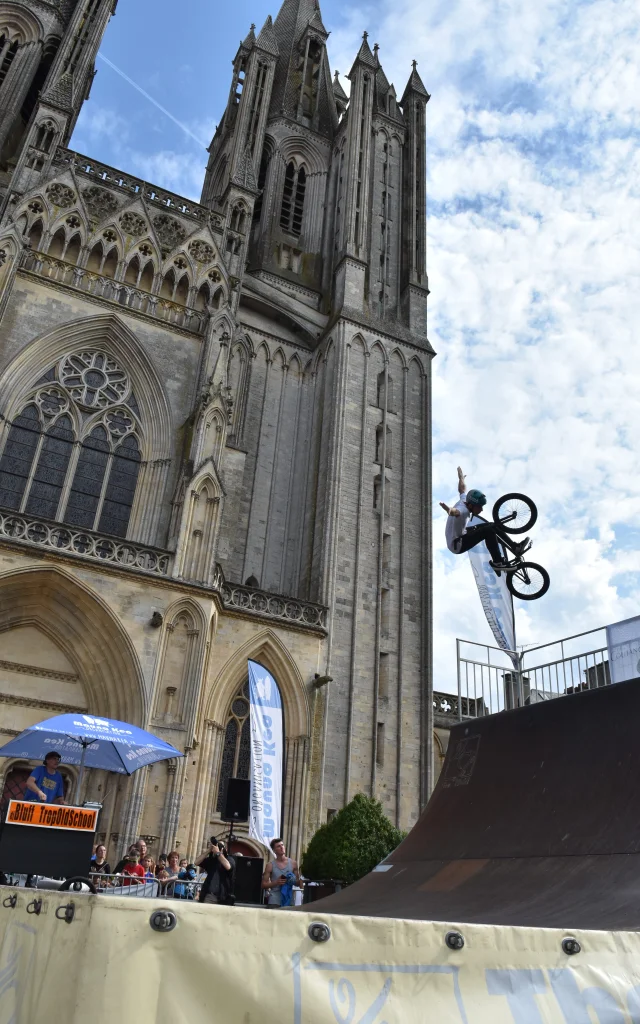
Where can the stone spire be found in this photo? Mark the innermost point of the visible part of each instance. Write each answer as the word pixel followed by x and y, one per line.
pixel 415 84
pixel 297 25
pixel 267 38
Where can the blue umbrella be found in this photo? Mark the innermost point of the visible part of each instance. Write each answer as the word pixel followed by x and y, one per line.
pixel 91 743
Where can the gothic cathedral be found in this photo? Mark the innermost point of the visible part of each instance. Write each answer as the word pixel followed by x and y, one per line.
pixel 215 430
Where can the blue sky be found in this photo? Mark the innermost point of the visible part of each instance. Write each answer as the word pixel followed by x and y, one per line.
pixel 533 251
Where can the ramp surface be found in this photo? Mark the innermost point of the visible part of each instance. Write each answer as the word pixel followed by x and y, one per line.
pixel 535 821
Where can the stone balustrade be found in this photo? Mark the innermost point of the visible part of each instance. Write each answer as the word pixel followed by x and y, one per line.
pixel 125 554
pixel 118 292
pixel 114 178
pixel 58 537
pixel 446 705
pixel 237 597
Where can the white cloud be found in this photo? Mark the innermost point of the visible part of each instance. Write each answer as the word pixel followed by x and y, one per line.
pixel 534 264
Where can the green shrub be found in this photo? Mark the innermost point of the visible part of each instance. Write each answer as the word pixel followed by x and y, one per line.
pixel 351 845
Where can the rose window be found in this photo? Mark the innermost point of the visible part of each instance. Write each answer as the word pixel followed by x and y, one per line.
pixel 93 380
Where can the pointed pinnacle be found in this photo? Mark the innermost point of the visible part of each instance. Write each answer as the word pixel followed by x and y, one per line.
pixel 365 36
pixel 415 65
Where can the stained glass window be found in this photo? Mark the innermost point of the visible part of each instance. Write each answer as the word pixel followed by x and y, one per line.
pixel 236 754
pixel 40 473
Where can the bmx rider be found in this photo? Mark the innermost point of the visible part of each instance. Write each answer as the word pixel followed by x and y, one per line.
pixel 461 538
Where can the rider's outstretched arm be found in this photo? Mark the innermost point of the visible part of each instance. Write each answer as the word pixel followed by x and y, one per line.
pixel 461 484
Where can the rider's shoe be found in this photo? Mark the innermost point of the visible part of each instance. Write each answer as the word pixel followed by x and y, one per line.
pixel 520 547
pixel 499 567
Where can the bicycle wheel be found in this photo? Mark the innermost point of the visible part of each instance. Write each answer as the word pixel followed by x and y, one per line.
pixel 529 582
pixel 515 513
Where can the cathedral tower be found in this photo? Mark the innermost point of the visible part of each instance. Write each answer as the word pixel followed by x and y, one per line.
pixel 215 428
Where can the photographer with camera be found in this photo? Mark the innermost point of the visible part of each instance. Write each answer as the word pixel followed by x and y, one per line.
pixel 220 867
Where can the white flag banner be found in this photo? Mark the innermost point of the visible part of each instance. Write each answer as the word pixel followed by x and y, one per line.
pixel 495 598
pixel 267 755
pixel 623 642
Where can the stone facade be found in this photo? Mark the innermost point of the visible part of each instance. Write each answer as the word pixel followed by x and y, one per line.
pixel 215 428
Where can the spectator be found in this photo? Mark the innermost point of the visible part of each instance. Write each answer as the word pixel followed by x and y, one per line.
pixel 280 875
pixel 183 863
pixel 132 870
pixel 149 866
pixel 162 877
pixel 173 870
pixel 162 863
pixel 143 849
pixel 45 782
pixel 220 868
pixel 99 865
pixel 121 863
pixel 182 889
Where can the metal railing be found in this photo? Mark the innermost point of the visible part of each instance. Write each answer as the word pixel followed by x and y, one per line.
pixel 492 680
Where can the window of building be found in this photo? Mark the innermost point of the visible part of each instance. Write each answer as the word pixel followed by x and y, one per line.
pixel 8 50
pixel 236 753
pixel 85 477
pixel 295 183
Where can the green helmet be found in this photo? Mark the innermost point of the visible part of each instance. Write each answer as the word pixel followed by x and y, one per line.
pixel 477 497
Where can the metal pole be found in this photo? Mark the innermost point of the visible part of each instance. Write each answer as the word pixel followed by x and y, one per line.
pixel 85 744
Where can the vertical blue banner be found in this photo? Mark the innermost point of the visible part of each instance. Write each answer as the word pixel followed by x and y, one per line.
pixel 267 755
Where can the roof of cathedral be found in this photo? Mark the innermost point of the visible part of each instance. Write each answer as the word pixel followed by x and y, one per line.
pixel 364 55
pixel 294 19
pixel 415 84
pixel 249 40
pixel 338 91
pixel 267 38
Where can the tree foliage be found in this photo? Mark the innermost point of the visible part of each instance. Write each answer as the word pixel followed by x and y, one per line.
pixel 351 844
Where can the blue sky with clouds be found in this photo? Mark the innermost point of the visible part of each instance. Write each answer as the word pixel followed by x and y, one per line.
pixel 533 250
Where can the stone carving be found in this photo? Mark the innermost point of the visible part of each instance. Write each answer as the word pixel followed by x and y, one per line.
pixel 61 195
pixel 109 235
pixel 85 543
pixel 145 249
pixel 100 203
pixel 3 256
pixel 73 221
pixel 37 207
pixel 93 379
pixel 215 276
pixel 202 251
pixel 180 263
pixel 170 232
pixel 132 224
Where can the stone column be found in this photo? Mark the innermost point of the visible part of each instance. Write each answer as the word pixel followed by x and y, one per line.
pixel 133 808
pixel 16 86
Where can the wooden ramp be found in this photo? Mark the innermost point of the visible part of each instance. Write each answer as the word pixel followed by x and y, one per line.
pixel 535 821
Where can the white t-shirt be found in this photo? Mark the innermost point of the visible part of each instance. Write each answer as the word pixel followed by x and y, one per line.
pixel 457 525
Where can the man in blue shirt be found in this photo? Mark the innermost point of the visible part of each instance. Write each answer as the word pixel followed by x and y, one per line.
pixel 46 783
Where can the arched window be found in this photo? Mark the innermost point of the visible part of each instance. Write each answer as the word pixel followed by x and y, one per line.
pixel 57 244
pixel 236 753
pixel 35 235
pixel 203 298
pixel 72 252
pixel 42 472
pixel 295 183
pixel 8 51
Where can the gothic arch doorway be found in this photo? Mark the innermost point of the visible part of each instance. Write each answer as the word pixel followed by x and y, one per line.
pixel 62 649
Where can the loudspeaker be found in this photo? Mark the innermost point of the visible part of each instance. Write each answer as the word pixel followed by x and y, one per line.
pixel 235 805
pixel 248 886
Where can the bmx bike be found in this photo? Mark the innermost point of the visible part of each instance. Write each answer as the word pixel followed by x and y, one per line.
pixel 516 513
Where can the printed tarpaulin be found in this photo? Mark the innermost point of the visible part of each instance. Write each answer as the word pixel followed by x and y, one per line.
pixel 250 966
pixel 267 754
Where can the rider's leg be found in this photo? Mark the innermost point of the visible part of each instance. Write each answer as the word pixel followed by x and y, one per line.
pixel 475 535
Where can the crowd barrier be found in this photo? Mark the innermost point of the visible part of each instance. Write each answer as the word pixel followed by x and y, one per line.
pixel 86 958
